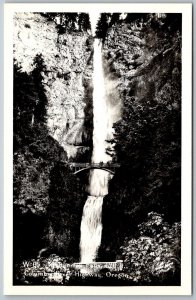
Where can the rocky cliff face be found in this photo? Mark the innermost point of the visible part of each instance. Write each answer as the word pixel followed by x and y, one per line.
pixel 140 54
pixel 66 76
pixel 52 124
pixel 144 58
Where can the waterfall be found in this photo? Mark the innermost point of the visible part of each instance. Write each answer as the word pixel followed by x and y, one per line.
pixel 91 225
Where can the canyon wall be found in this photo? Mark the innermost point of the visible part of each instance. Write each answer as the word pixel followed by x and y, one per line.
pixel 54 122
pixel 143 56
pixel 52 125
pixel 67 71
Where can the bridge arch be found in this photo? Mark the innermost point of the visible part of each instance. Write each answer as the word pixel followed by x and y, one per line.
pixel 94 167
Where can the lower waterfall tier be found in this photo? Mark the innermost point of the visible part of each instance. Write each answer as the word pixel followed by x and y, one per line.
pixel 91 228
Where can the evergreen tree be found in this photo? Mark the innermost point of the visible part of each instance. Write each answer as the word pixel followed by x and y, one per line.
pixel 41 100
pixel 102 26
pixel 115 18
pixel 133 17
pixel 84 22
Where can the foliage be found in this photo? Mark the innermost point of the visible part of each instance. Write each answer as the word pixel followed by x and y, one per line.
pixel 154 255
pixel 137 17
pixel 148 137
pixel 34 150
pixel 29 103
pixel 67 197
pixel 39 190
pixel 52 79
pixel 84 21
pixel 151 256
pixel 147 145
pixel 67 22
pixel 103 25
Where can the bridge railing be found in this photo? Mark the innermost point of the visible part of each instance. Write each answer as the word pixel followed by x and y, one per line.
pixel 98 165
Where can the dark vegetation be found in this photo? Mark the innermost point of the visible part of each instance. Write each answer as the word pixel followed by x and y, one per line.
pixel 142 212
pixel 147 141
pixel 172 22
pixel 48 199
pixel 107 20
pixel 69 22
pixel 67 198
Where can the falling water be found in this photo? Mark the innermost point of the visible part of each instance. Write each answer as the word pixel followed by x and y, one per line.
pixel 91 225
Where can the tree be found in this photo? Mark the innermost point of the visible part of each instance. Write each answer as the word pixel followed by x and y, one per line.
pixel 115 18
pixel 84 22
pixel 153 256
pixel 64 211
pixel 136 17
pixel 147 139
pixel 41 101
pixel 103 25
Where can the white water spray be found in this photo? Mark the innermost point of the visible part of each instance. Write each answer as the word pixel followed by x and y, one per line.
pixel 103 119
pixel 91 225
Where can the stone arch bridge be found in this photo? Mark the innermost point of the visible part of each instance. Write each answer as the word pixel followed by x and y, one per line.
pixel 80 167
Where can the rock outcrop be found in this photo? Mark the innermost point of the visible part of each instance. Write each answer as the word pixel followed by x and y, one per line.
pixel 144 59
pixel 52 124
pixel 66 76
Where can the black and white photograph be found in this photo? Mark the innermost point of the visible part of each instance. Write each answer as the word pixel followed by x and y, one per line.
pixel 97 198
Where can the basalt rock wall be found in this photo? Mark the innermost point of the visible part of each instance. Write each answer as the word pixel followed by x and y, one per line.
pixel 66 76
pixel 52 125
pixel 143 56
